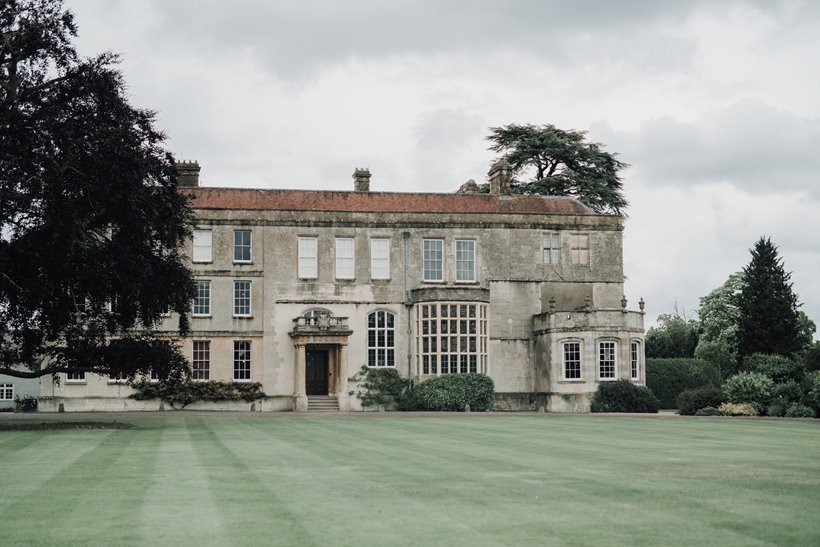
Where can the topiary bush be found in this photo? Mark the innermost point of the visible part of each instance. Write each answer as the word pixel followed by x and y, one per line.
pixel 797 410
pixel 452 392
pixel 692 400
pixel 668 378
pixel 738 409
pixel 777 367
pixel 749 387
pixel 623 396
pixel 179 393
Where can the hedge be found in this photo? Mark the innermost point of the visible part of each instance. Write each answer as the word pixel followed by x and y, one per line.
pixel 452 392
pixel 668 378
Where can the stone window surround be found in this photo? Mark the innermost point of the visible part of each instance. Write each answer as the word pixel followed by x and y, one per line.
pixel 431 329
pixel 599 362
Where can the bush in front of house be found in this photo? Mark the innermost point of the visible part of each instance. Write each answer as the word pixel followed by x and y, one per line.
pixel 384 387
pixel 749 387
pixel 179 393
pixel 623 396
pixel 452 392
pixel 668 378
pixel 692 400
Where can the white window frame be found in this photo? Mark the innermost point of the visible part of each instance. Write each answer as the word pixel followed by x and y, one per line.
pixel 242 366
pixel 551 245
pixel 6 392
pixel 381 339
pixel 579 249
pixel 202 246
pixel 379 258
pixel 577 355
pixel 345 258
pixel 466 258
pixel 240 247
pixel 308 258
pixel 201 360
pixel 75 377
pixel 429 260
pixel 607 353
pixel 635 360
pixel 242 301
pixel 203 291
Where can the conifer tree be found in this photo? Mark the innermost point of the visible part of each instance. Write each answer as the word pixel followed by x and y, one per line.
pixel 768 316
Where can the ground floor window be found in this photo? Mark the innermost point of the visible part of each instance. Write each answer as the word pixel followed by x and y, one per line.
pixel 607 364
pixel 451 338
pixel 572 360
pixel 635 359
pixel 201 362
pixel 381 339
pixel 6 392
pixel 241 360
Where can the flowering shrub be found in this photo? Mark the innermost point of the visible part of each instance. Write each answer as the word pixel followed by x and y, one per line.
pixel 452 392
pixel 181 393
pixel 738 409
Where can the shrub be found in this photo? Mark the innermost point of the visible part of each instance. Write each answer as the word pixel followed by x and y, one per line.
pixel 182 392
pixel 777 367
pixel 708 411
pixel 811 358
pixel 452 392
pixel 738 409
pixel 787 392
pixel 384 386
pixel 749 387
pixel 27 403
pixel 797 410
pixel 777 409
pixel 667 378
pixel 623 396
pixel 811 386
pixel 692 400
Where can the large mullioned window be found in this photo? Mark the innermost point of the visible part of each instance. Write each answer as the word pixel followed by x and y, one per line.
pixel 451 338
pixel 381 339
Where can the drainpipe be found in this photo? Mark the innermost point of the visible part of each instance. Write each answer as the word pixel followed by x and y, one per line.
pixel 408 306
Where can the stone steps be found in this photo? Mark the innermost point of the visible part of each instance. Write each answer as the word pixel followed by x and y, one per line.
pixel 322 403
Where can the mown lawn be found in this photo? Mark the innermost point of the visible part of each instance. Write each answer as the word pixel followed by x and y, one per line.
pixel 187 479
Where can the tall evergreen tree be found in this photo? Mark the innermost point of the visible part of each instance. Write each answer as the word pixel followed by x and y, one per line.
pixel 768 316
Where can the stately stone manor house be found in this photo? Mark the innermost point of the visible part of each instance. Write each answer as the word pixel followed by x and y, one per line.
pixel 299 289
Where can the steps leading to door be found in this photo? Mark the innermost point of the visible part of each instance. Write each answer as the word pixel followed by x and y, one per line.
pixel 323 403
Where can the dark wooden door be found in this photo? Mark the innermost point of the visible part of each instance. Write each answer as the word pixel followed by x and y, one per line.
pixel 316 371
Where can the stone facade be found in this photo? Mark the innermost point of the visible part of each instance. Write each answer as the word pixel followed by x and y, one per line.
pixel 303 288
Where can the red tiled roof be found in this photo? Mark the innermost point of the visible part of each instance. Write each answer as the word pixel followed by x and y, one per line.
pixel 385 202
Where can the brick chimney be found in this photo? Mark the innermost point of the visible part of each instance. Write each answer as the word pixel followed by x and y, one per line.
pixel 500 175
pixel 187 173
pixel 361 180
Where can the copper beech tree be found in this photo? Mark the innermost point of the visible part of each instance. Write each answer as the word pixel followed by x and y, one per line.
pixel 91 222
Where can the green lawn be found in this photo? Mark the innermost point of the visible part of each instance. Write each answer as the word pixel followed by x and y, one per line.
pixel 187 479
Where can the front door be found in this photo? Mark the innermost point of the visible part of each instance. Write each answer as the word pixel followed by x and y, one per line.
pixel 316 372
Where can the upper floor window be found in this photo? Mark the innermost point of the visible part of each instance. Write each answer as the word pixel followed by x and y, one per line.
pixel 203 244
pixel 465 260
pixel 201 362
pixel 433 259
pixel 607 361
pixel 241 360
pixel 242 298
pixel 572 360
pixel 6 392
pixel 242 246
pixel 552 249
pixel 380 258
pixel 345 258
pixel 635 359
pixel 308 268
pixel 579 248
pixel 381 339
pixel 72 377
pixel 202 298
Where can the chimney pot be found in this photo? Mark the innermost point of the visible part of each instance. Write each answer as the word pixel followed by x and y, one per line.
pixel 500 175
pixel 361 180
pixel 187 173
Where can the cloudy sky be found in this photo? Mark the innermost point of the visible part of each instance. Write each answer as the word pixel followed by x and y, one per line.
pixel 713 104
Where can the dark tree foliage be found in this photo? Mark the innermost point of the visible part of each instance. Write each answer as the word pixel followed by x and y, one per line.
pixel 768 317
pixel 91 222
pixel 553 162
pixel 673 337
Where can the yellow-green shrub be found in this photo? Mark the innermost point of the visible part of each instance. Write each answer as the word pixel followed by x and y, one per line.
pixel 738 409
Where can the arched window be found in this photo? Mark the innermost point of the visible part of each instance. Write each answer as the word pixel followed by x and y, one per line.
pixel 381 339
